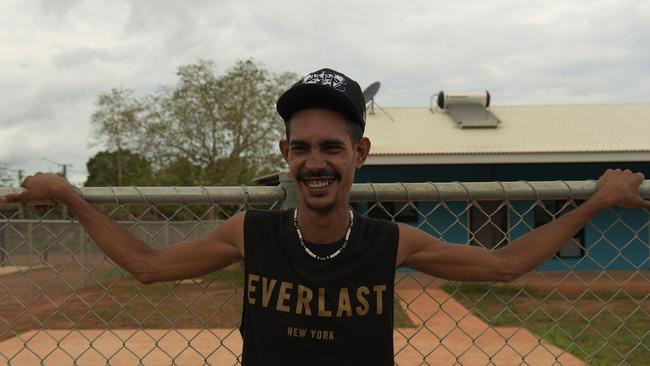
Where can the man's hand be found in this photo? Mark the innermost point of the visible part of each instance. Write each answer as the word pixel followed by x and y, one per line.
pixel 618 187
pixel 42 189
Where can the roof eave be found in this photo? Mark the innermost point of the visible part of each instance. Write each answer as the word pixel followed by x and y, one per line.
pixel 507 158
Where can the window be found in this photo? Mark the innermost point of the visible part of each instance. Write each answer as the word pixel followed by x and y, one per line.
pixel 544 213
pixel 401 211
pixel 488 224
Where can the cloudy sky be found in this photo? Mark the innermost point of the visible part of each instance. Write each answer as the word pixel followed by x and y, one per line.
pixel 57 55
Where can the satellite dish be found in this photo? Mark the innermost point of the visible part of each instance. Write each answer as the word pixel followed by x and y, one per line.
pixel 370 92
pixel 369 95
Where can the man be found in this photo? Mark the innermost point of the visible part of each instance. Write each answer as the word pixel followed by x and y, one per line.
pixel 319 279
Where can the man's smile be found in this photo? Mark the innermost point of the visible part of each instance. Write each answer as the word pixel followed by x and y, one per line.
pixel 317 183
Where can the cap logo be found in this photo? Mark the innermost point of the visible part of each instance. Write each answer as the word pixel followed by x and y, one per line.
pixel 336 81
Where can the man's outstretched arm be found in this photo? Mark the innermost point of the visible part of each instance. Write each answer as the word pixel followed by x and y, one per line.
pixel 214 251
pixel 421 251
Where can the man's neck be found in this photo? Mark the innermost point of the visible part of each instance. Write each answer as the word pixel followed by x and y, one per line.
pixel 323 227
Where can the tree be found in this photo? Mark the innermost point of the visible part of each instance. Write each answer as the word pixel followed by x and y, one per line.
pixel 117 125
pixel 179 172
pixel 102 169
pixel 207 129
pixel 225 125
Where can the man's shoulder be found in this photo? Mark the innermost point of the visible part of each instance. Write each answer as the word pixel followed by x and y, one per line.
pixel 375 222
pixel 378 229
pixel 258 216
pixel 257 212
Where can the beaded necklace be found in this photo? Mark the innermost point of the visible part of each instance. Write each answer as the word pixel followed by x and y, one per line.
pixel 314 255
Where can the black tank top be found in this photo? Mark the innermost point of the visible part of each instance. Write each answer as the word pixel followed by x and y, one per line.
pixel 302 311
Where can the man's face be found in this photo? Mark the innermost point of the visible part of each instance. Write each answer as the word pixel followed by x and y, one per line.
pixel 322 158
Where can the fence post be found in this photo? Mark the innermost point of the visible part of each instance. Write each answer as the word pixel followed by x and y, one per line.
pixel 290 195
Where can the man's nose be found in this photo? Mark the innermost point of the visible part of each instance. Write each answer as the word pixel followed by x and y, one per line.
pixel 315 161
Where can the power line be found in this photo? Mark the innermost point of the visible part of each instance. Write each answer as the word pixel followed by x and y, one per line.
pixel 64 166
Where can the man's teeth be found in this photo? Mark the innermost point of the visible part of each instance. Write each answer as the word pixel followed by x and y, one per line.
pixel 319 183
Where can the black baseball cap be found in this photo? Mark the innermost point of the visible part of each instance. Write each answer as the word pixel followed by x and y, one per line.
pixel 324 88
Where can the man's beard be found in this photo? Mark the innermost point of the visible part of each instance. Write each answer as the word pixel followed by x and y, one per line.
pixel 321 208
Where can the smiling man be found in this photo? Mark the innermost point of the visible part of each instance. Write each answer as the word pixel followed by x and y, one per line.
pixel 319 278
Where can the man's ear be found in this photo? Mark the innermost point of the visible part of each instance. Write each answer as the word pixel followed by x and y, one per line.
pixel 362 149
pixel 284 150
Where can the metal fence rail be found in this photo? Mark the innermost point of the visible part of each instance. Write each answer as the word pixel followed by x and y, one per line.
pixel 63 302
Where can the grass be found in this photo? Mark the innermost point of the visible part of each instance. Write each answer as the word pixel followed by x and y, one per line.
pixel 600 327
pixel 400 319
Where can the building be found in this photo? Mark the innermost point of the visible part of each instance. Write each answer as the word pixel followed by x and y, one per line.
pixel 540 143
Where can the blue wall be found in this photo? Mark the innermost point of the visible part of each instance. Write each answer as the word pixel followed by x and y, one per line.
pixel 610 243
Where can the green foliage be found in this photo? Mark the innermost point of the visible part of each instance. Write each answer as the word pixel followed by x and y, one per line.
pixel 103 169
pixel 117 124
pixel 117 120
pixel 207 129
pixel 178 172
pixel 601 327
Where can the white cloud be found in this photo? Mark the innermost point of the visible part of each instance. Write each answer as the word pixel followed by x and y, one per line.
pixel 56 56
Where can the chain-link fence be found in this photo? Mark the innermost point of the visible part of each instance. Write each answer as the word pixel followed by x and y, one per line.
pixel 63 302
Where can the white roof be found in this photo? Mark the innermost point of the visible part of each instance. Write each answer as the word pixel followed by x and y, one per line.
pixel 545 133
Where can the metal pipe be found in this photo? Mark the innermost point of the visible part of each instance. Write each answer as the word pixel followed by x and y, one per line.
pixel 175 195
pixel 483 191
pixel 455 191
